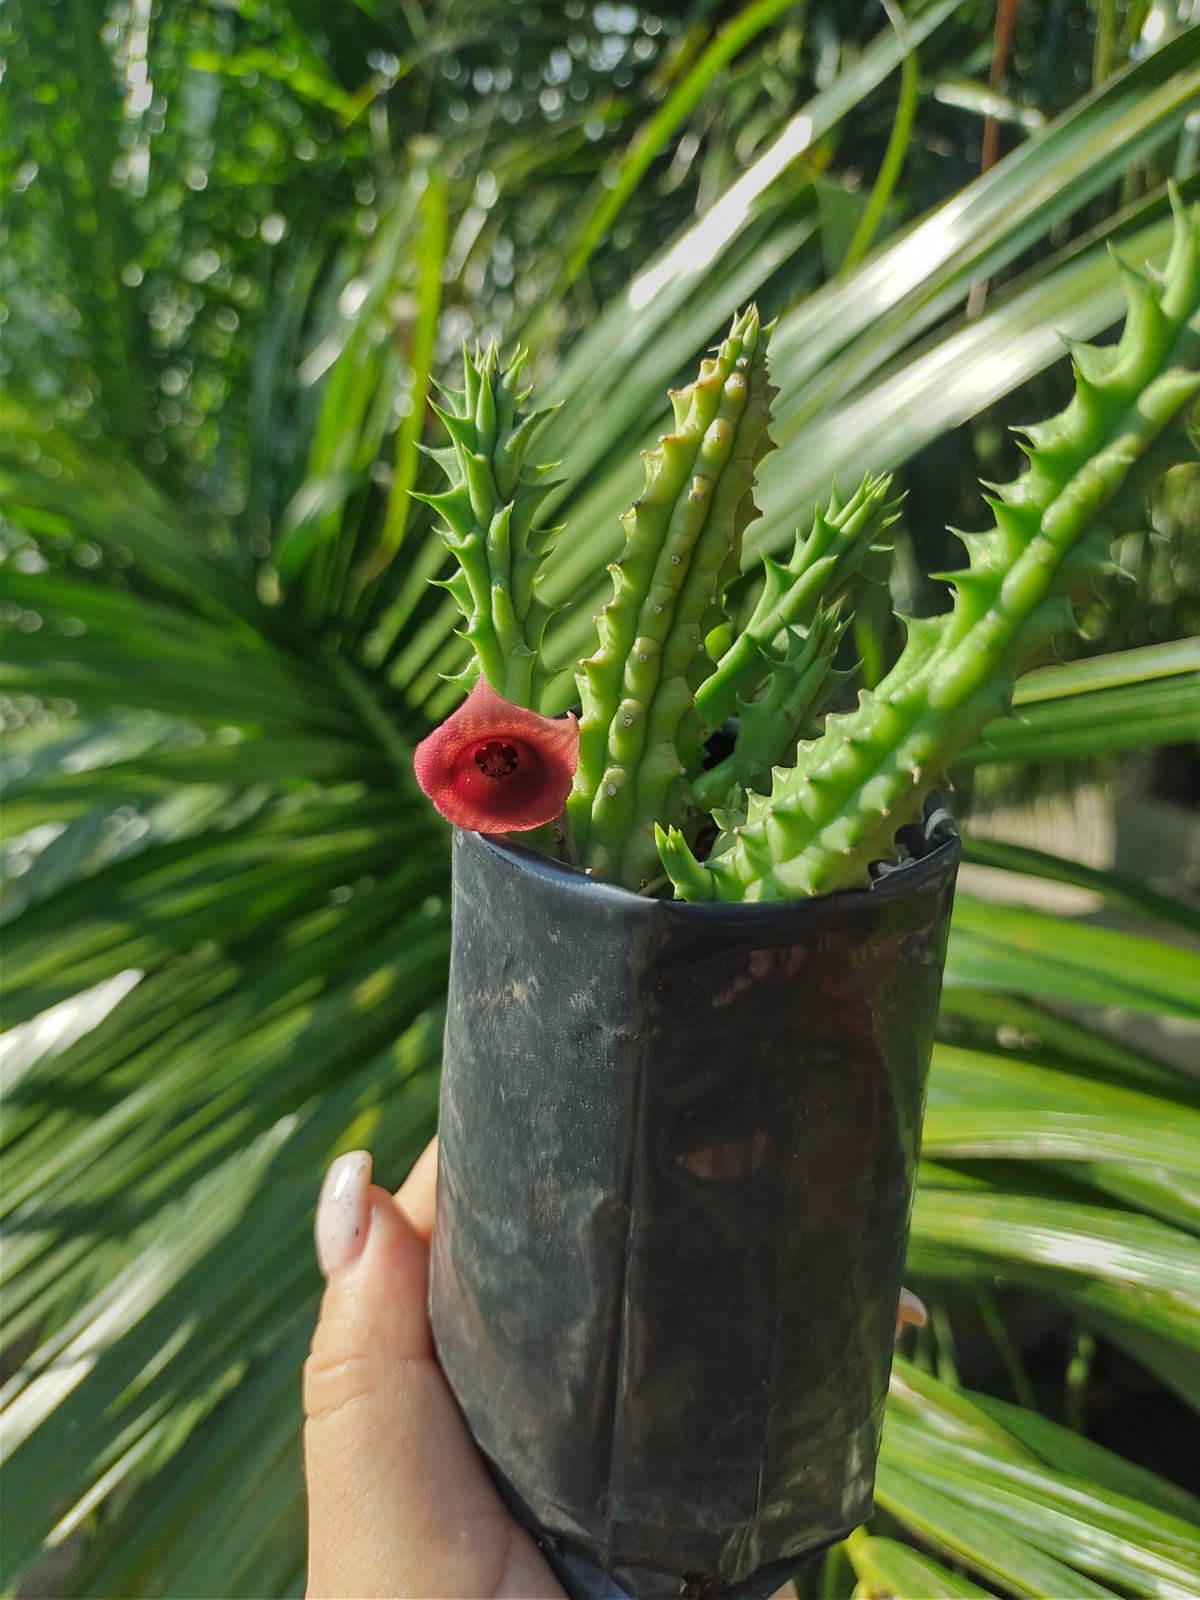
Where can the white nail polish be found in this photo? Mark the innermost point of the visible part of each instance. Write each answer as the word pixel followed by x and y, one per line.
pixel 343 1211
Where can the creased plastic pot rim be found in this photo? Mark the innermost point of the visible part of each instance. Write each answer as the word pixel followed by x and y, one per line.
pixel 896 878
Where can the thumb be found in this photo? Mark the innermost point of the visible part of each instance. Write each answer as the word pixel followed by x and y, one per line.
pixel 399 1502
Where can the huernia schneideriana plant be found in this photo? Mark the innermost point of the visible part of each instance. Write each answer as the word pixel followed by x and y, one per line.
pixel 807 801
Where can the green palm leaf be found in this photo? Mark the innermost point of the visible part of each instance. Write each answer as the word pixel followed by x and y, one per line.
pixel 1131 701
pixel 1036 1510
pixel 227 926
pixel 860 390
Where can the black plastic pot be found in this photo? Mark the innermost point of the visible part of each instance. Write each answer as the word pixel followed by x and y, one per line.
pixel 678 1146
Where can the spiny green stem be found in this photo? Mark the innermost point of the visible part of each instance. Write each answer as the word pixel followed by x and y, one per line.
pixel 489 513
pixel 822 568
pixel 836 810
pixel 801 675
pixel 640 738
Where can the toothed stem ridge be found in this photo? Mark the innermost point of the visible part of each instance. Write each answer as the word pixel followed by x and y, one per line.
pixel 836 810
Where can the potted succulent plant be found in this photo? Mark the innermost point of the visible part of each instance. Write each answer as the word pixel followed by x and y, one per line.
pixel 699 928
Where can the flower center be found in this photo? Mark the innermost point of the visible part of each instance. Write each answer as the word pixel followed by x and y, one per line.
pixel 496 760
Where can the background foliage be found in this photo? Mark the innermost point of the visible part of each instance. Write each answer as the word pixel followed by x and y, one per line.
pixel 240 244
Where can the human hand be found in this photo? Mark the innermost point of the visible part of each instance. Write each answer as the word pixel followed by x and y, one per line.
pixel 399 1502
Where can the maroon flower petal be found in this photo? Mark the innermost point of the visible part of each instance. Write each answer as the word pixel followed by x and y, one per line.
pixel 494 767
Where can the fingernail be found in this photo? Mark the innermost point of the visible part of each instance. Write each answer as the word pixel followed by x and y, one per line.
pixel 342 1211
pixel 910 1313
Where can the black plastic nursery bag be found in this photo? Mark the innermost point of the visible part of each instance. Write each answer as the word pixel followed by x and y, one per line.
pixel 678 1145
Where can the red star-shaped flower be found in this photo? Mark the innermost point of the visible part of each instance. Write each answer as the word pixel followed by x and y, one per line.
pixel 494 767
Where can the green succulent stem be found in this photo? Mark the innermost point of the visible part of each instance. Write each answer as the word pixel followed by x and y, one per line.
pixel 641 739
pixel 823 567
pixel 801 675
pixel 489 515
pixel 836 810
